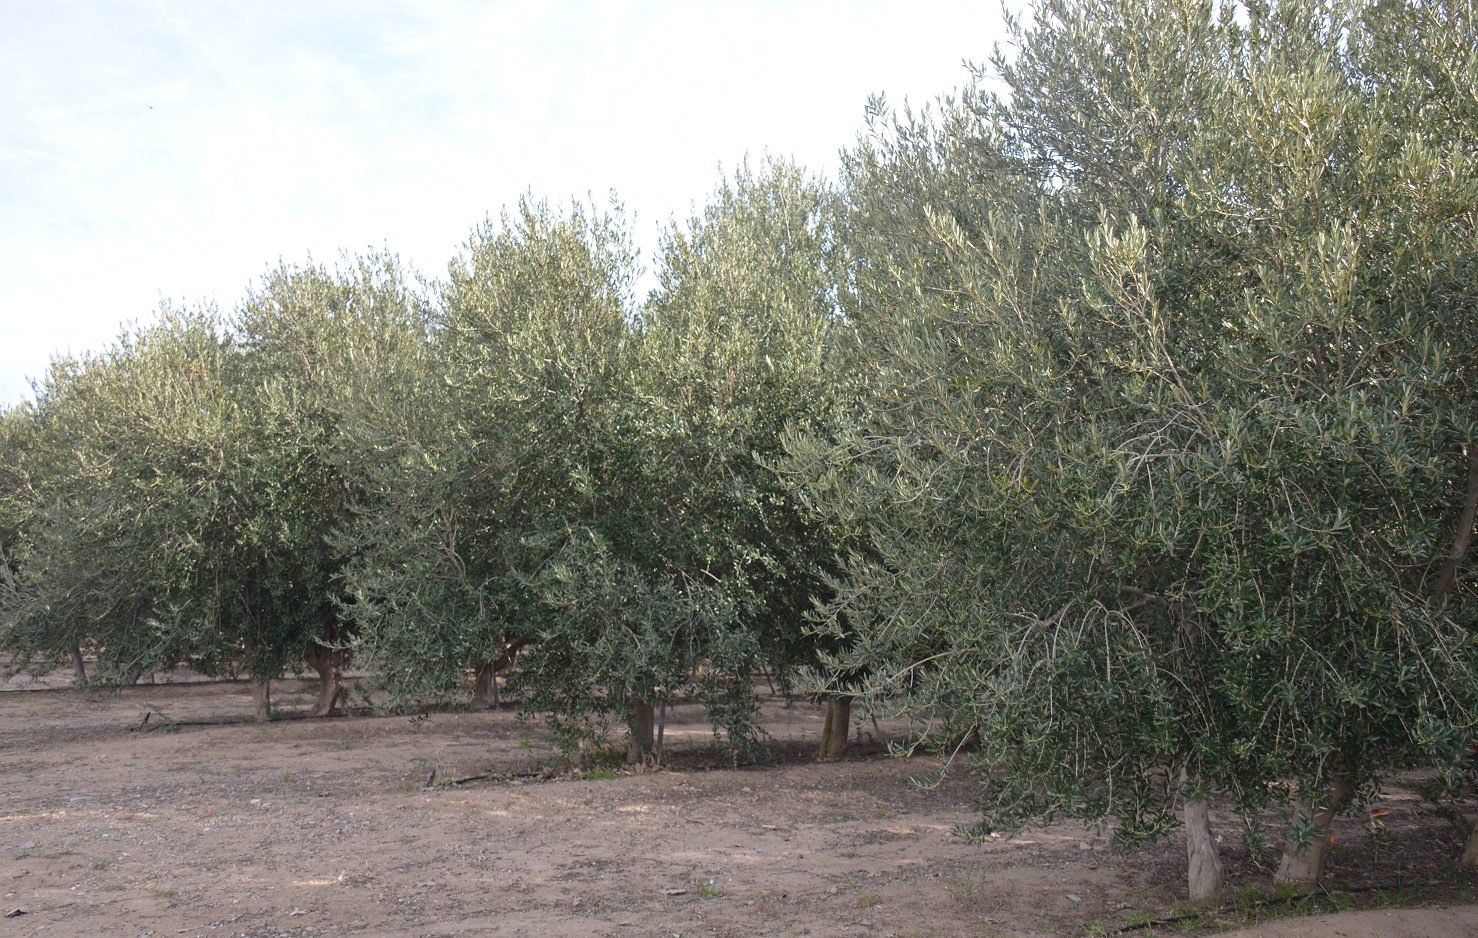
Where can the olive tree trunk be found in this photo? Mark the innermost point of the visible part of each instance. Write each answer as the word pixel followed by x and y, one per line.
pixel 1470 854
pixel 834 731
pixel 485 679
pixel 78 664
pixel 643 720
pixel 322 659
pixel 261 696
pixel 1302 866
pixel 485 687
pixel 1204 874
pixel 1448 577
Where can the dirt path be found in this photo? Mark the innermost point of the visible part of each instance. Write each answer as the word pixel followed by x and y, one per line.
pixel 326 827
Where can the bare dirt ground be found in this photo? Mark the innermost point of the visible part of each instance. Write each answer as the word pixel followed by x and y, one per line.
pixel 201 823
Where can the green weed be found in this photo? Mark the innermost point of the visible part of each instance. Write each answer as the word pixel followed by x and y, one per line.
pixel 31 855
pixel 961 888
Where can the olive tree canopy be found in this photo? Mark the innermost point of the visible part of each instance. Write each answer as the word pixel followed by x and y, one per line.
pixel 1168 416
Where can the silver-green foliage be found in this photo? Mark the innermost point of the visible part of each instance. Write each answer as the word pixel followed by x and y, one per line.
pixel 492 461
pixel 590 483
pixel 177 494
pixel 1165 356
pixel 327 358
pixel 128 484
pixel 732 347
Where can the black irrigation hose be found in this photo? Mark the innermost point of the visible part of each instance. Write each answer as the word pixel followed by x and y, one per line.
pixel 495 777
pixel 1261 903
pixel 145 726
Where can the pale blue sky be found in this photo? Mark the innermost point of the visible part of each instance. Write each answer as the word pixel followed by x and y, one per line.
pixel 176 149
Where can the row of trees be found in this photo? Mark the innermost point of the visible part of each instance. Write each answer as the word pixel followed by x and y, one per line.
pixel 1119 424
pixel 518 458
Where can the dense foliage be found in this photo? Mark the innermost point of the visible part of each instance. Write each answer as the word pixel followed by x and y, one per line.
pixel 1168 411
pixel 175 494
pixel 1120 424
pixel 590 486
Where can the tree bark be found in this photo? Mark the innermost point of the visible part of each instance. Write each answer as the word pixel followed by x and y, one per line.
pixel 1448 577
pixel 1470 855
pixel 484 681
pixel 643 718
pixel 834 731
pixel 661 730
pixel 1464 534
pixel 321 659
pixel 1303 868
pixel 1204 874
pixel 78 664
pixel 261 696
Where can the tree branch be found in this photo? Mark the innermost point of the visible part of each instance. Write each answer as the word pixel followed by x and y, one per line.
pixel 1464 531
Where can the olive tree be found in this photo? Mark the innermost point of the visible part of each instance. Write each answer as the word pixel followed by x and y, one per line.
pixel 587 482
pixel 178 494
pixel 690 567
pixel 132 482
pixel 322 356
pixel 735 349
pixel 484 471
pixel 1168 415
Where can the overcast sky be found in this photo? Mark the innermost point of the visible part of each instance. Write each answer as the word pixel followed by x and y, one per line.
pixel 176 149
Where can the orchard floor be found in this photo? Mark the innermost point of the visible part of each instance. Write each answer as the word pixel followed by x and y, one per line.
pixel 201 823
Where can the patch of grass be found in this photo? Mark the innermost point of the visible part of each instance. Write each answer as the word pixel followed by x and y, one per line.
pixel 601 774
pixel 607 757
pixel 1390 898
pixel 867 900
pixel 102 864
pixel 287 776
pixel 960 888
pixel 882 815
pixel 709 890
pixel 1454 876
pixel 848 854
pixel 1135 918
pixel 57 855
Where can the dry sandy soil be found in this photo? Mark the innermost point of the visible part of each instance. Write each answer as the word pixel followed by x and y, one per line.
pixel 201 823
